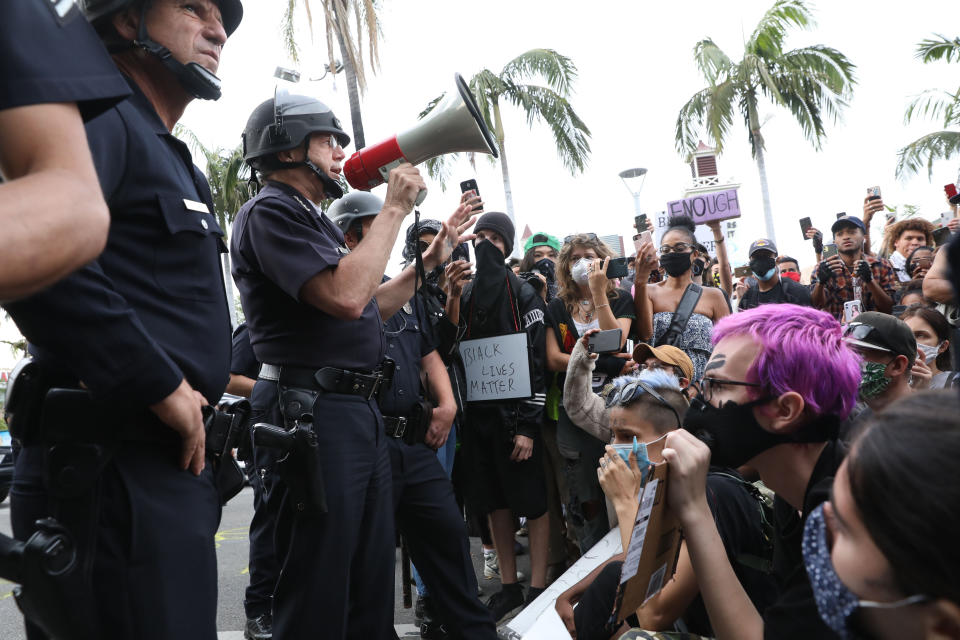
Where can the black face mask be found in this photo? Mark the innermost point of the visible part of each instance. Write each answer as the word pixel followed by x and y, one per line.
pixel 547 269
pixel 675 264
pixel 734 435
pixel 697 268
pixel 762 266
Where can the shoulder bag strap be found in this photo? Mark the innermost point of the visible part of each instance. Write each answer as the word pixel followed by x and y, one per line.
pixel 678 323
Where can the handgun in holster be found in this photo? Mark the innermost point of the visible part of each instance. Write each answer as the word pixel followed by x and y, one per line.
pixel 299 464
pixel 227 428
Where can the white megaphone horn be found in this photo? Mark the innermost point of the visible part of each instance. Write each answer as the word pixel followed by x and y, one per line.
pixel 454 125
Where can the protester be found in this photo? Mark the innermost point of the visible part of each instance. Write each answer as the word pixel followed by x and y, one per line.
pixel 841 277
pixel 911 293
pixel 541 252
pixel 932 332
pixel 778 383
pixel 919 262
pixel 501 440
pixel 901 239
pixel 772 287
pixel 789 268
pixel 643 408
pixel 881 553
pixel 585 300
pixel 656 305
pixel 889 359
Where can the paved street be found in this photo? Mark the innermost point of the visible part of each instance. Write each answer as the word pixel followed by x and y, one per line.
pixel 232 557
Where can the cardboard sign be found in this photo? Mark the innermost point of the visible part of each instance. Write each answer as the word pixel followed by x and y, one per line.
pixel 497 368
pixel 651 557
pixel 706 207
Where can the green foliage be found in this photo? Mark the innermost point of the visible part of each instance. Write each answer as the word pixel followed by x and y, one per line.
pixel 539 82
pixel 934 104
pixel 814 83
pixel 227 174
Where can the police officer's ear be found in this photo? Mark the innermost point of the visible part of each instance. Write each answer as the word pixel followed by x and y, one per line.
pixel 127 22
pixel 291 155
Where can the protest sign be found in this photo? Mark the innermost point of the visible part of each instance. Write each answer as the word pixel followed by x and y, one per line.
pixel 497 368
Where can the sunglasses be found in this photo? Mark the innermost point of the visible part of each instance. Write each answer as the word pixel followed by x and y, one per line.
pixel 633 390
pixel 588 236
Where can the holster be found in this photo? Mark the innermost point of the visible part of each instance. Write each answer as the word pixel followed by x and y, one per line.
pixel 228 428
pixel 299 465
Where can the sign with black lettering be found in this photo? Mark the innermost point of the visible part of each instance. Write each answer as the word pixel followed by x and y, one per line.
pixel 497 368
pixel 706 207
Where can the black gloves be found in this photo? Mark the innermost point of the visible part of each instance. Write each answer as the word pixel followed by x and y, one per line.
pixel 824 273
pixel 864 272
pixel 818 242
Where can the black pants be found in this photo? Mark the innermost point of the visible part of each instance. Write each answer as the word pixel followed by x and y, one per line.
pixel 263 564
pixel 596 605
pixel 431 523
pixel 336 575
pixel 150 538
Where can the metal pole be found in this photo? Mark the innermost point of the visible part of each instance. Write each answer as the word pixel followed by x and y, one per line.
pixel 636 206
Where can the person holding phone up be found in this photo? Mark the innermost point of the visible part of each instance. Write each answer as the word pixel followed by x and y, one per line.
pixel 833 281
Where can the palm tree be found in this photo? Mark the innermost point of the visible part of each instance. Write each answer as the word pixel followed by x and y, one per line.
pixel 227 175
pixel 548 104
pixel 348 22
pixel 935 103
pixel 812 82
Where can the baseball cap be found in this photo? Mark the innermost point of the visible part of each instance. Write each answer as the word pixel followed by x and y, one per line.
pixel 847 221
pixel 666 353
pixel 883 332
pixel 540 239
pixel 762 245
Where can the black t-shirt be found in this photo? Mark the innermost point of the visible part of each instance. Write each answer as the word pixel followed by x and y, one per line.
pixel 243 362
pixel 785 291
pixel 279 242
pixel 49 53
pixel 566 334
pixel 736 513
pixel 794 614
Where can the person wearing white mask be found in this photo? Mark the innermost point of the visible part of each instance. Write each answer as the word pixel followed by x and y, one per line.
pixel 932 332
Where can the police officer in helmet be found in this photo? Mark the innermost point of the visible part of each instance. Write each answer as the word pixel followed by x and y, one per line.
pixel 130 347
pixel 316 327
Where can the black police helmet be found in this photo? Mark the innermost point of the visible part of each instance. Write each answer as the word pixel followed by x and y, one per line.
pixel 352 207
pixel 268 132
pixel 95 10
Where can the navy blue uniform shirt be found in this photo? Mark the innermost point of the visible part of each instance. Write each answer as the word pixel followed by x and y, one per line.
pixel 243 362
pixel 49 53
pixel 279 242
pixel 151 309
pixel 408 341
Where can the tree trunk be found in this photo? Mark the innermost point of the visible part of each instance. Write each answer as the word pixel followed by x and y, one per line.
pixel 761 167
pixel 353 92
pixel 507 191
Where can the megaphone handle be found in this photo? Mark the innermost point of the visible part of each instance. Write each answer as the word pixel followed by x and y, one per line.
pixel 420 197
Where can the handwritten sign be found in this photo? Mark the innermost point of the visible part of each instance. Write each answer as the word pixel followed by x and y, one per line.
pixel 706 207
pixel 497 368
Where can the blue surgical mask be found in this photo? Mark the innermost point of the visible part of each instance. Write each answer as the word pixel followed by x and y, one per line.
pixel 639 451
pixel 835 602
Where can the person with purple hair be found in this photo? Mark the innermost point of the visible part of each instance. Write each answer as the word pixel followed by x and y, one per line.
pixel 777 385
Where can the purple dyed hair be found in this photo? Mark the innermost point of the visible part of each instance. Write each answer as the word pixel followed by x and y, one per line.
pixel 802 350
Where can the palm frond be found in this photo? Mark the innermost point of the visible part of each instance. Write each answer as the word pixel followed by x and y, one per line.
pixel 289 33
pixel 709 110
pixel 711 60
pixel 188 137
pixel 557 70
pixel 431 105
pixel 570 133
pixel 924 151
pixel 440 168
pixel 939 48
pixel 767 38
pixel 935 104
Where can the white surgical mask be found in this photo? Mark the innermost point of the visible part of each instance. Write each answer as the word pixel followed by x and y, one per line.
pixel 929 353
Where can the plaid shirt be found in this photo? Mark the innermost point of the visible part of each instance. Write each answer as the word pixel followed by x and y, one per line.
pixel 840 288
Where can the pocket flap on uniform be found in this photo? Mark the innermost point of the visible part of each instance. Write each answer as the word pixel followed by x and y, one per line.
pixel 179 218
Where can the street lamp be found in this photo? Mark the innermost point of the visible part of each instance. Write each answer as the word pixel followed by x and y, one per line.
pixel 633 181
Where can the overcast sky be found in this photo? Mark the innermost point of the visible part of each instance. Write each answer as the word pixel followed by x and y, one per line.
pixel 636 70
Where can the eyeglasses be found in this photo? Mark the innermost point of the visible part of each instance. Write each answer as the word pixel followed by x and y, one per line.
pixel 709 385
pixel 331 141
pixel 680 247
pixel 632 390
pixel 661 366
pixel 588 236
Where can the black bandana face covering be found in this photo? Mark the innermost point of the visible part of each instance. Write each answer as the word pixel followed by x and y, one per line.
pixel 734 435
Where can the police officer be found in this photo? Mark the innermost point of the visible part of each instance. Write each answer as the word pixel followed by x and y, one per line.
pixel 54 74
pixel 315 326
pixel 141 340
pixel 426 510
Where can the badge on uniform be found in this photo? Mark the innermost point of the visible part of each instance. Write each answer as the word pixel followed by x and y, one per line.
pixel 408 308
pixel 63 10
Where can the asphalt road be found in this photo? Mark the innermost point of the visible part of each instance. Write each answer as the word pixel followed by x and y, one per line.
pixel 232 548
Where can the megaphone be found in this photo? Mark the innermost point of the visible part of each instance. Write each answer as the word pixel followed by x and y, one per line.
pixel 454 125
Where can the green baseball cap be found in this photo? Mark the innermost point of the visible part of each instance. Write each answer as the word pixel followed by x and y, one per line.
pixel 541 239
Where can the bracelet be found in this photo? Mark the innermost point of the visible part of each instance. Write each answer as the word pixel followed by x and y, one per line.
pixel 600 306
pixel 720 241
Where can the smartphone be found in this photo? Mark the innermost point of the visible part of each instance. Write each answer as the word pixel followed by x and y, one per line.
pixel 804 225
pixel 640 238
pixel 640 222
pixel 617 268
pixel 742 272
pixel 873 193
pixel 471 185
pixel 952 196
pixel 851 309
pixel 605 341
pixel 891 217
pixel 941 235
pixel 841 214
pixel 830 250
pixel 945 218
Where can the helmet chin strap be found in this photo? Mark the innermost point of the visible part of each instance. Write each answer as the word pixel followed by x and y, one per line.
pixel 331 187
pixel 198 81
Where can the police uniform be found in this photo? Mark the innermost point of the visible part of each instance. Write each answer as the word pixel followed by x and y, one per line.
pixel 149 312
pixel 49 53
pixel 426 509
pixel 336 567
pixel 262 563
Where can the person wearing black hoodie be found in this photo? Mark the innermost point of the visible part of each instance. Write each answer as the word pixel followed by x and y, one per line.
pixel 501 441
